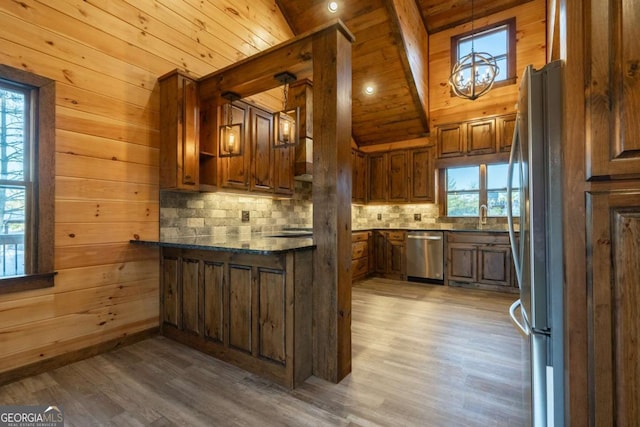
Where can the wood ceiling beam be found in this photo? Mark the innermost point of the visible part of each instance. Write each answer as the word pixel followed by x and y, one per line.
pixel 414 52
pixel 255 74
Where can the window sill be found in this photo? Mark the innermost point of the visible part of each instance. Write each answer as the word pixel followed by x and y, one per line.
pixel 27 282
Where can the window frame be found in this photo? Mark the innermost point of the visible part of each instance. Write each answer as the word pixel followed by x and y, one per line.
pixel 39 264
pixel 511 49
pixel 483 190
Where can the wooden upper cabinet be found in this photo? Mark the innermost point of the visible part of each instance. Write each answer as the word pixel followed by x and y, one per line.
pixel 179 154
pixel 505 125
pixel 613 92
pixel 421 173
pixel 261 137
pixel 398 177
pixel 234 171
pixel 487 136
pixel 451 140
pixel 283 170
pixel 378 177
pixel 359 177
pixel 481 137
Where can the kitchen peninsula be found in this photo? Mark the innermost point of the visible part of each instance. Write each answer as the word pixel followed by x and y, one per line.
pixel 244 301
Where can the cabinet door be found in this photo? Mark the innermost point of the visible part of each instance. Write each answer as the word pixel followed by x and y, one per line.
pixel 481 137
pixel 240 307
pixel 261 137
pixel 505 125
pixel 398 177
pixel 272 314
pixel 396 258
pixel 461 262
pixel 614 298
pixel 494 265
pixel 359 177
pixel 171 292
pixel 213 296
pixel 283 170
pixel 234 170
pixel 378 177
pixel 421 170
pixel 613 91
pixel 179 149
pixel 380 252
pixel 450 140
pixel 191 296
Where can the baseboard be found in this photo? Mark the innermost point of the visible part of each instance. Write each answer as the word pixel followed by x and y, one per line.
pixel 74 356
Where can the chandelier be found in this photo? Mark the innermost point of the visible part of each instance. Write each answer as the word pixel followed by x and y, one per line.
pixel 473 75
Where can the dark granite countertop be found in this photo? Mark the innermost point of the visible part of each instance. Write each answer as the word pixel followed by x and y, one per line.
pixel 445 227
pixel 255 244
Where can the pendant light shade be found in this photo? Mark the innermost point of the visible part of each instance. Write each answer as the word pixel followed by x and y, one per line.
pixel 473 75
pixel 231 134
pixel 286 121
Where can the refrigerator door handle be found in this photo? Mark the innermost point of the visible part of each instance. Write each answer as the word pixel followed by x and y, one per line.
pixel 524 329
pixel 512 235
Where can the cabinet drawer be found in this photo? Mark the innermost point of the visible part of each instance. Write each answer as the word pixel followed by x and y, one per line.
pixel 359 250
pixel 360 236
pixel 395 235
pixel 497 238
pixel 359 267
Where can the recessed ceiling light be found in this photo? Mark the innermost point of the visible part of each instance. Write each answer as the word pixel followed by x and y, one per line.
pixel 369 90
pixel 332 6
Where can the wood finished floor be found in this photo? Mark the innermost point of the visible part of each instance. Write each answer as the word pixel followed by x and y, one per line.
pixel 423 355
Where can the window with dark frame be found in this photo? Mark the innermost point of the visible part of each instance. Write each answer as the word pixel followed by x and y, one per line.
pixel 498 40
pixel 27 148
pixel 16 189
pixel 469 187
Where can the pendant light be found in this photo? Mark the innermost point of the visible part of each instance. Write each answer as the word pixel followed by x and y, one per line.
pixel 231 134
pixel 286 121
pixel 473 75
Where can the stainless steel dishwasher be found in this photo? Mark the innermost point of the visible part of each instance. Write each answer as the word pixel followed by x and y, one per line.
pixel 425 256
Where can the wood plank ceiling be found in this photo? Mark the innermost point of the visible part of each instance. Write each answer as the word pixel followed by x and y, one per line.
pixel 382 55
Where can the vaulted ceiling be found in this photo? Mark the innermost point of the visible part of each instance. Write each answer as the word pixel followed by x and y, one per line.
pixel 390 55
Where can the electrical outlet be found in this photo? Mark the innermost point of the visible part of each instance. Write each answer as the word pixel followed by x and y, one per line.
pixel 245 216
pixel 417 217
pixel 379 216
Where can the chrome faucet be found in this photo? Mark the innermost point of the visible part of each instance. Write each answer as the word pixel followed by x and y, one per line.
pixel 482 219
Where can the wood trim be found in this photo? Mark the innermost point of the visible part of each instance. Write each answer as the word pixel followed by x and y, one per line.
pixel 472 160
pixel 573 33
pixel 43 197
pixel 74 356
pixel 26 283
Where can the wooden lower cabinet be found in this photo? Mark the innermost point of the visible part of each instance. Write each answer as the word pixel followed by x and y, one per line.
pixel 613 218
pixel 361 254
pixel 480 260
pixel 390 254
pixel 253 311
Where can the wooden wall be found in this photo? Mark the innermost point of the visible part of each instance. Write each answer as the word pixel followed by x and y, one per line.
pixel 530 49
pixel 106 57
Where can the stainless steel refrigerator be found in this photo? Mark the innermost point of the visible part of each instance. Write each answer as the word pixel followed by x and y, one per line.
pixel 535 193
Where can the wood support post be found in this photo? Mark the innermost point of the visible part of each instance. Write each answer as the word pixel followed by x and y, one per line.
pixel 332 204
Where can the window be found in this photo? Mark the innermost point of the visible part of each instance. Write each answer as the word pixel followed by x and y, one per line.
pixel 498 40
pixel 470 187
pixel 15 180
pixel 26 180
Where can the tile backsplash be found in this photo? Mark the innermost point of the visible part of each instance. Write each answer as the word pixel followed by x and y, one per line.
pixel 192 214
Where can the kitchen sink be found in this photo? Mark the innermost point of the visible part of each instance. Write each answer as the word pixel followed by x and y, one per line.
pixel 291 234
